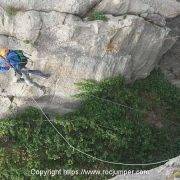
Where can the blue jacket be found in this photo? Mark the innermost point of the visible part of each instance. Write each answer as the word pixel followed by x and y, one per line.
pixel 13 59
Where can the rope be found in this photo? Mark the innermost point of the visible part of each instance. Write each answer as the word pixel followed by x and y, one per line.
pixel 114 103
pixel 86 154
pixel 90 156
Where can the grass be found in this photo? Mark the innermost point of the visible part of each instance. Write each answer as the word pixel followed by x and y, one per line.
pixel 96 15
pixel 12 11
pixel 177 174
pixel 27 41
pixel 99 127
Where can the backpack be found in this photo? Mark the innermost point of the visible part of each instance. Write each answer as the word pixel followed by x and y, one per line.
pixel 22 57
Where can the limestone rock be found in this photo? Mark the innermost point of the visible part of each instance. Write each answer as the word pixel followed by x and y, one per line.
pixel 5 105
pixel 163 172
pixel 166 8
pixel 24 26
pixel 170 62
pixel 153 10
pixel 119 7
pixel 72 49
pixel 69 6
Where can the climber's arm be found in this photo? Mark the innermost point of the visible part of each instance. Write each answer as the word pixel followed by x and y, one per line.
pixel 4 69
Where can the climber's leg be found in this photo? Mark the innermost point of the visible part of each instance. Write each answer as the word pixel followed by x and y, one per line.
pixel 29 81
pixel 17 77
pixel 38 73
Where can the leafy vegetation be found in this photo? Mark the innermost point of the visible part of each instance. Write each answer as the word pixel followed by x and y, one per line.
pixel 27 41
pixel 12 11
pixel 97 15
pixel 177 174
pixel 99 127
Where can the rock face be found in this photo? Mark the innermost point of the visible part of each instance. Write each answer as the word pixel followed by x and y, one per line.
pixel 170 63
pixel 153 10
pixel 71 48
pixel 166 8
pixel 79 7
pixel 166 171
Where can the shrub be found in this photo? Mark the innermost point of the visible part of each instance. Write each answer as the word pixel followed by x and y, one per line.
pixel 99 127
pixel 27 41
pixel 177 174
pixel 12 11
pixel 96 15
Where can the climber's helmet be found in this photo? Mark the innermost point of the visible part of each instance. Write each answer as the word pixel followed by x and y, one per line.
pixel 4 51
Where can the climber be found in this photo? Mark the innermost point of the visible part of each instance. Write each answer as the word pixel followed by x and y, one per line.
pixel 17 60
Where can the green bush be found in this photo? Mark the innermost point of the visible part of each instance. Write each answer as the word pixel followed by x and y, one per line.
pixel 99 127
pixel 12 11
pixel 96 15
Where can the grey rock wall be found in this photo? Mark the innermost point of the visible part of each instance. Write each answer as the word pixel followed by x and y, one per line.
pixel 163 172
pixel 72 49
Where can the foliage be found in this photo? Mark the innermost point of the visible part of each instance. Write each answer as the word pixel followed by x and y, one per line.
pixel 12 11
pixel 27 41
pixel 177 174
pixel 99 127
pixel 96 15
